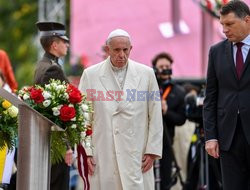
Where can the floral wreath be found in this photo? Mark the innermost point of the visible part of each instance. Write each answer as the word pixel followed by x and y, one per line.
pixel 63 104
pixel 213 6
pixel 8 124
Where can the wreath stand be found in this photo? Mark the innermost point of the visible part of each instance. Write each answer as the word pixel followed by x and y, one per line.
pixel 33 162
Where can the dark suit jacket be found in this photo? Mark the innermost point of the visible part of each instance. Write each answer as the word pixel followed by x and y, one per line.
pixel 48 68
pixel 226 95
pixel 175 115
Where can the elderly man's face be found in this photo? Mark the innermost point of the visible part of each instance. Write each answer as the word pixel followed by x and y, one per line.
pixel 119 49
pixel 235 28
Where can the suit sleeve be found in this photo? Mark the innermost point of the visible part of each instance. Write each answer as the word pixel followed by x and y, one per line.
pixel 210 101
pixel 177 116
pixel 155 126
pixel 54 72
pixel 83 86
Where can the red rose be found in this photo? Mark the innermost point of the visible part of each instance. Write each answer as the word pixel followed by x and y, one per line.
pixel 209 5
pixel 67 113
pixel 36 95
pixel 75 96
pixel 225 1
pixel 89 132
pixel 70 88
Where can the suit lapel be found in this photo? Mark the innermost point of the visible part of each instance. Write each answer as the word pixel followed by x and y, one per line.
pixel 109 82
pixel 107 78
pixel 229 55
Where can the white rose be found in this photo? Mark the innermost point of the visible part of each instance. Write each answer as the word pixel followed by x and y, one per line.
pixel 46 103
pixel 73 119
pixel 54 85
pixel 71 105
pixel 13 111
pixel 59 87
pixel 56 111
pixel 66 96
pixel 26 96
pixel 59 107
pixel 86 116
pixel 46 94
pixel 73 126
pixel 85 107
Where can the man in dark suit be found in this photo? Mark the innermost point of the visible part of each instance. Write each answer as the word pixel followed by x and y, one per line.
pixel 173 112
pixel 227 101
pixel 55 44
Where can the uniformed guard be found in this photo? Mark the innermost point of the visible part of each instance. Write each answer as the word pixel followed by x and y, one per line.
pixel 55 44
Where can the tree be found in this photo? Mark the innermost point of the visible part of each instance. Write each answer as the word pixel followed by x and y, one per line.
pixel 17 36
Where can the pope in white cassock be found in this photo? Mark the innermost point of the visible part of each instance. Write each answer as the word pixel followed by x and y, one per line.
pixel 127 120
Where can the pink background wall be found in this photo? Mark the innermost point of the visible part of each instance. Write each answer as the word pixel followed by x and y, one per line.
pixel 91 22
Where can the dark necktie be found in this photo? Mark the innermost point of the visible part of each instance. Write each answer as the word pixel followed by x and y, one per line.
pixel 239 59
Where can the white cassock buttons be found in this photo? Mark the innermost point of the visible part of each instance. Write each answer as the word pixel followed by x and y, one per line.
pixel 116 131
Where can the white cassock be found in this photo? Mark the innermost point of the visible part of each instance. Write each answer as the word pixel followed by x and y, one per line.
pixel 123 130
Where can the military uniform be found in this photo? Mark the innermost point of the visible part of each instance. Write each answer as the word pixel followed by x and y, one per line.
pixel 49 68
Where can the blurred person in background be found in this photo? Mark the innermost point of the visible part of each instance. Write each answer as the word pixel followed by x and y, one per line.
pixel 173 113
pixel 104 52
pixel 7 71
pixel 226 113
pixel 3 83
pixel 183 136
pixel 55 44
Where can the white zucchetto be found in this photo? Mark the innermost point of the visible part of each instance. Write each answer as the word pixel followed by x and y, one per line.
pixel 118 33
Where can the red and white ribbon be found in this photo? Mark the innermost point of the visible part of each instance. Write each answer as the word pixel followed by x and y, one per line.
pixel 82 165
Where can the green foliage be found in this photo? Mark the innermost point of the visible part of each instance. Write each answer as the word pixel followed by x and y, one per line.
pixel 25 74
pixel 58 152
pixel 17 36
pixel 8 124
pixel 17 31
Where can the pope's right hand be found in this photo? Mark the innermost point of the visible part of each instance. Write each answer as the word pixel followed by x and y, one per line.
pixel 212 148
pixel 91 165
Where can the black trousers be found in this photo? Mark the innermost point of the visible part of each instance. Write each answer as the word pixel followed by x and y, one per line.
pixel 166 163
pixel 235 163
pixel 59 176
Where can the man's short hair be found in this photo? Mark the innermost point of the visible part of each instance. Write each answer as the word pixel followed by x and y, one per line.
pixel 162 55
pixel 46 41
pixel 239 8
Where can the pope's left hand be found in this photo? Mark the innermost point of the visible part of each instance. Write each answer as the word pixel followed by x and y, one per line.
pixel 69 157
pixel 147 162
